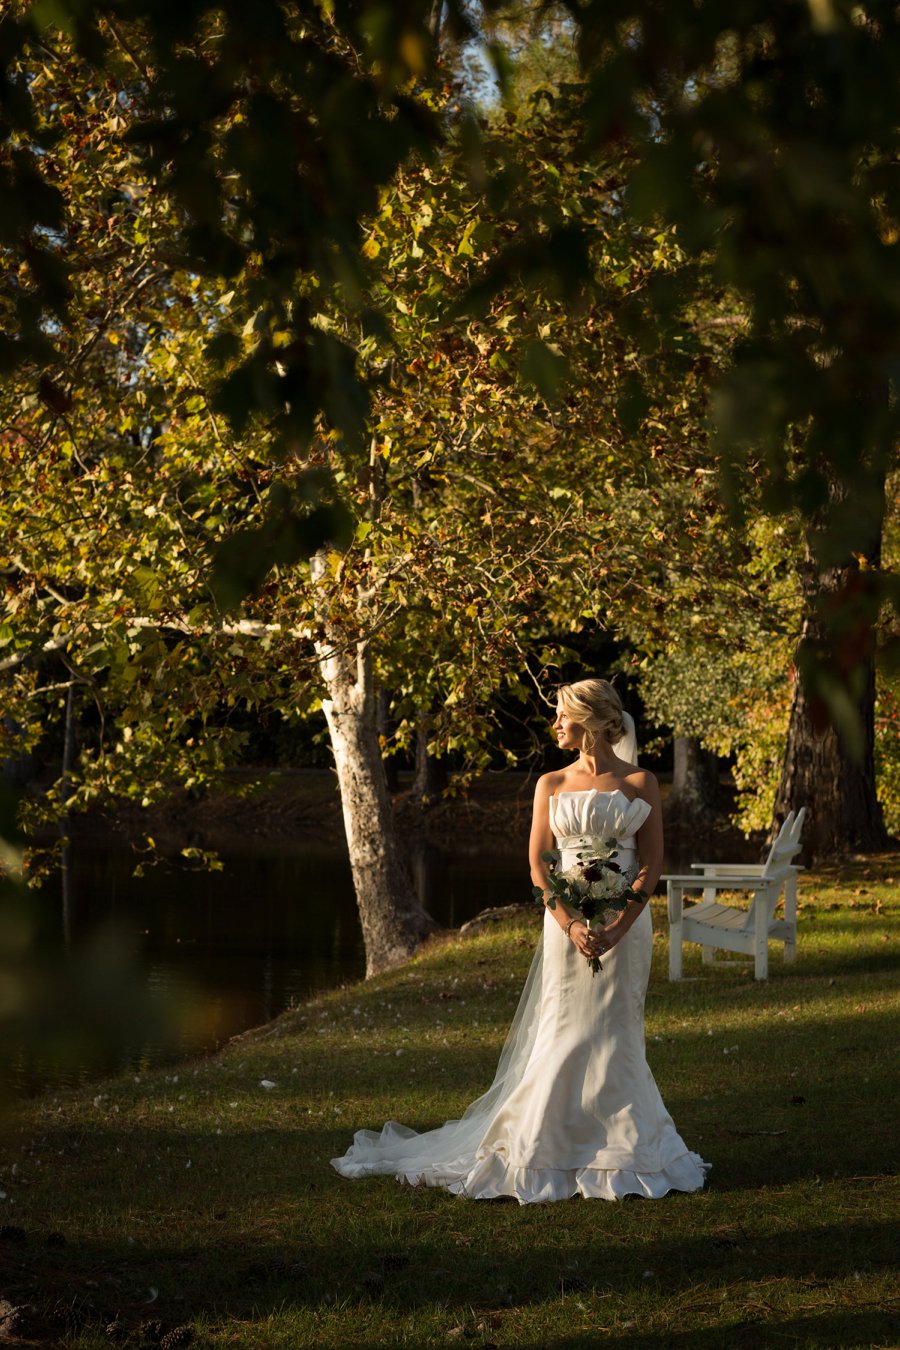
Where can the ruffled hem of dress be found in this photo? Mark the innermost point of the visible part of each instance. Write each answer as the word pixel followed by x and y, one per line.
pixel 493 1179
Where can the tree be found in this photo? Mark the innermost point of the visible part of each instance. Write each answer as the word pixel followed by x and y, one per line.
pixel 392 929
pixel 713 625
pixel 759 138
pixel 456 540
pixel 753 134
pixel 764 149
pixel 743 135
pixel 835 776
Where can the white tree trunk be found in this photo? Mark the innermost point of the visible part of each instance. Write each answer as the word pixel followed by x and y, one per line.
pixel 393 921
pixel 694 780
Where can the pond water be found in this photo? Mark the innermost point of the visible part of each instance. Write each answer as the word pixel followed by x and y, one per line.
pixel 219 952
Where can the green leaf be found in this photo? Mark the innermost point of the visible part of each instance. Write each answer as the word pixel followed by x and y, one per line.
pixel 547 370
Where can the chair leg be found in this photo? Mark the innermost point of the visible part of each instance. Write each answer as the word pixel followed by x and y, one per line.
pixel 790 917
pixel 675 966
pixel 675 907
pixel 761 945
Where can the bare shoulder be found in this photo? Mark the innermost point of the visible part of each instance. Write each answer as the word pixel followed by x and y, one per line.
pixel 540 821
pixel 644 783
pixel 548 783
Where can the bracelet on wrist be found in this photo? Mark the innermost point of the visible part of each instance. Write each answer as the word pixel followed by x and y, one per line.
pixel 577 919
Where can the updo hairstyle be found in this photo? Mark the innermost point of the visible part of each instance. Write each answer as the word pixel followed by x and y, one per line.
pixel 596 707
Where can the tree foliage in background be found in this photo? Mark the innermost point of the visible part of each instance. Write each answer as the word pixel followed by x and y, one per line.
pixel 769 143
pixel 768 147
pixel 719 666
pixel 140 517
pixel 473 517
pixel 766 142
pixel 887 706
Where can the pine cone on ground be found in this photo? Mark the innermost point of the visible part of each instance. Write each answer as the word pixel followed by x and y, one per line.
pixel 273 1268
pixel 572 1284
pixel 13 1317
pixel 116 1331
pixel 69 1317
pixel 394 1260
pixel 20 1322
pixel 153 1331
pixel 177 1337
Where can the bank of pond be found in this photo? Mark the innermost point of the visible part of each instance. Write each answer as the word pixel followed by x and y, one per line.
pixel 179 960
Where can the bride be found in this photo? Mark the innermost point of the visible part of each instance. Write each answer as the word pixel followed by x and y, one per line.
pixel 573 1108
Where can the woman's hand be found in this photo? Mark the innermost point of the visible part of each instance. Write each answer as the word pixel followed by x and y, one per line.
pixel 588 942
pixel 613 933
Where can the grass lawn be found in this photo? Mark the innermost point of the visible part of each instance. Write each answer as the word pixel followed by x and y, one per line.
pixel 197 1197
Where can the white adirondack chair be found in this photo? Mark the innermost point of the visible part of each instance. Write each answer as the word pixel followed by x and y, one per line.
pixel 730 927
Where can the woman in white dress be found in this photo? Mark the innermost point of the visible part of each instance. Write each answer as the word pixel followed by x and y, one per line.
pixel 573 1109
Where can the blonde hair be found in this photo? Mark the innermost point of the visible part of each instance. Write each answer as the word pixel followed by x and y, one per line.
pixel 595 706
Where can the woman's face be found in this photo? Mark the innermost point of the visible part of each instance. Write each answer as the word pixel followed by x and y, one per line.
pixel 569 734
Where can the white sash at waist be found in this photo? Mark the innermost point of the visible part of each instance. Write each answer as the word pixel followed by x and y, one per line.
pixel 586 843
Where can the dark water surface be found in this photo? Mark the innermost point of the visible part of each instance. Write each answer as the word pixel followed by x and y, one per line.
pixel 225 951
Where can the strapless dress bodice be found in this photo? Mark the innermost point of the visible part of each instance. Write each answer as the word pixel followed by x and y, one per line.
pixel 585 817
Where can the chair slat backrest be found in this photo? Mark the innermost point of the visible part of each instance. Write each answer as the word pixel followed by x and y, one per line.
pixel 786 842
pixel 768 898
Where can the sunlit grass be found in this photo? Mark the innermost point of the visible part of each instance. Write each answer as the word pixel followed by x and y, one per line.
pixel 216 1192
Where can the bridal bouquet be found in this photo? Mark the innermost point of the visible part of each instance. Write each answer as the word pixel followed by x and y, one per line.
pixel 594 884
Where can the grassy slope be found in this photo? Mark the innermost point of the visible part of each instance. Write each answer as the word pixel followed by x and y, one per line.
pixel 216 1192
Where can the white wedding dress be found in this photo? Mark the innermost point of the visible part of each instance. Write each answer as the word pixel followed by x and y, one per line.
pixel 573 1109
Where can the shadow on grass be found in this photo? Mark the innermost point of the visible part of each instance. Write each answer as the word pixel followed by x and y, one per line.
pixel 867 1327
pixel 234 1226
pixel 880 960
pixel 768 1101
pixel 233 1279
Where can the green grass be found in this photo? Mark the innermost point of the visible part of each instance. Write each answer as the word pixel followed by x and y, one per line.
pixel 200 1184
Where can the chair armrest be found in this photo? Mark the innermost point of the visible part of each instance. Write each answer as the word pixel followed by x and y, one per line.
pixel 730 869
pixel 674 905
pixel 730 883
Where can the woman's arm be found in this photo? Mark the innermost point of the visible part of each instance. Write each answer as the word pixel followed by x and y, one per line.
pixel 650 839
pixel 650 861
pixel 541 838
pixel 541 841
